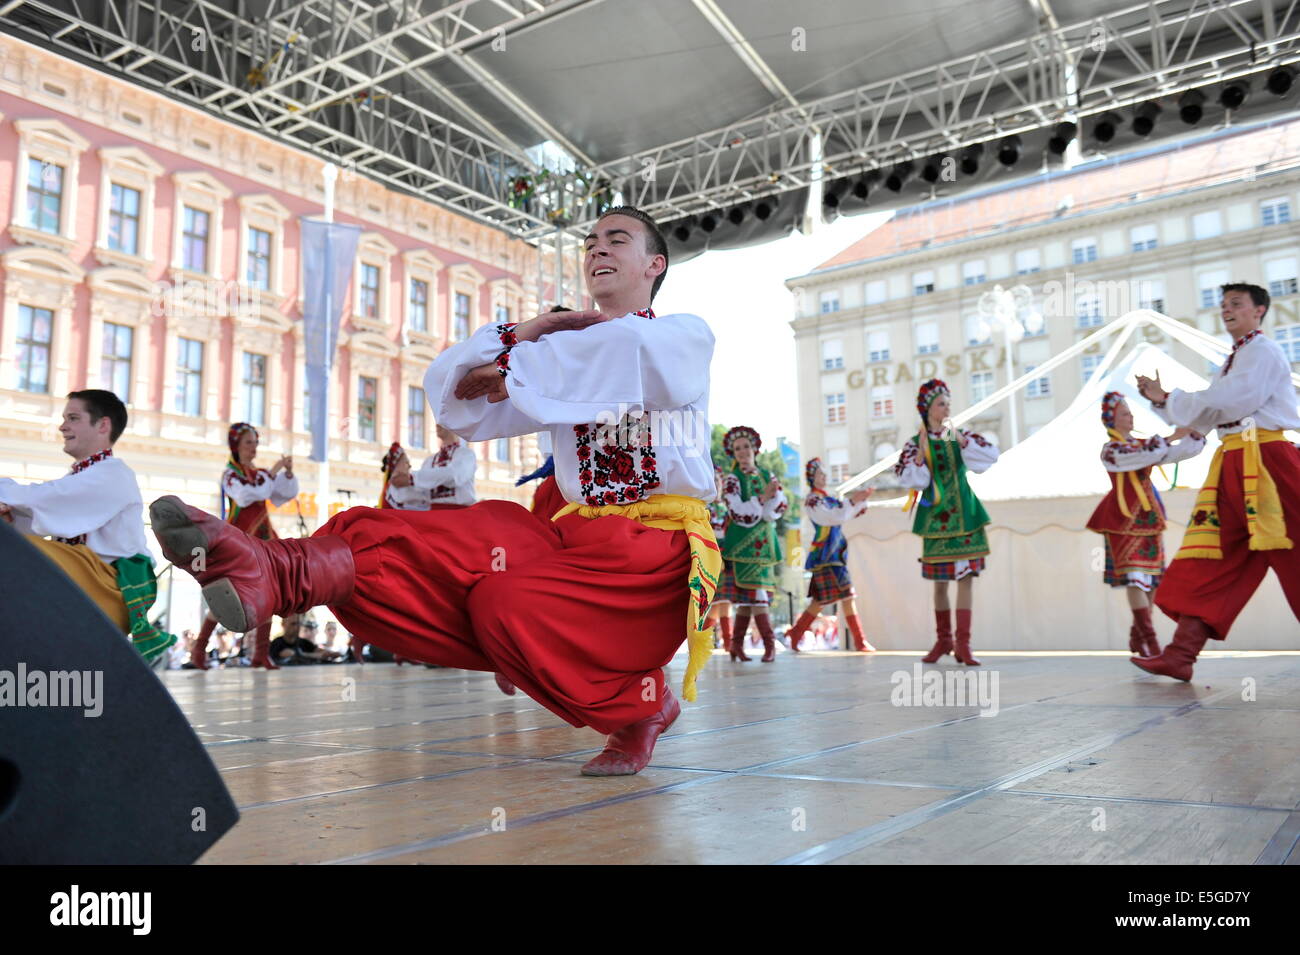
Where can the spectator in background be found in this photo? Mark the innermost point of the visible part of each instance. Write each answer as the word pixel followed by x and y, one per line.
pixel 293 648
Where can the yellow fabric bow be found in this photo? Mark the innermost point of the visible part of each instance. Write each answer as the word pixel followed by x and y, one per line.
pixel 1265 519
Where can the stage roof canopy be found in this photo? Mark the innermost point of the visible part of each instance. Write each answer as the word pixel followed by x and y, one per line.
pixel 684 107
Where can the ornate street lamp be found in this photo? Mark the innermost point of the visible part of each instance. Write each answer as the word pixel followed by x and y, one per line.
pixel 1012 311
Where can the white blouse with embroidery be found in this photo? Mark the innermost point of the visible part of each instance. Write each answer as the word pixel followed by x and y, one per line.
pixel 979 455
pixel 279 490
pixel 1257 385
pixel 101 503
pixel 448 476
pixel 829 512
pixel 1120 456
pixel 748 513
pixel 626 404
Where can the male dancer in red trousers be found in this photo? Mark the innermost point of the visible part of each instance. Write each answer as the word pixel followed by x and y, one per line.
pixel 1247 516
pixel 582 615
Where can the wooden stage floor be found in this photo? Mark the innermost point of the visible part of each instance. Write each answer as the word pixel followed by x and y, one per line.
pixel 803 761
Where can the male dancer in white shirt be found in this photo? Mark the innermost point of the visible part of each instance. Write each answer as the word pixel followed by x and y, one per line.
pixel 582 615
pixel 95 516
pixel 1247 516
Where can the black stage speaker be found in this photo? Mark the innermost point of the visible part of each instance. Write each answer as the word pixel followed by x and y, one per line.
pixel 102 767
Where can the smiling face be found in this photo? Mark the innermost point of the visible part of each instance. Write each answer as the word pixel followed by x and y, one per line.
pixel 1241 315
pixel 246 447
pixel 81 437
pixel 1123 418
pixel 617 262
pixel 819 479
pixel 938 413
pixel 743 451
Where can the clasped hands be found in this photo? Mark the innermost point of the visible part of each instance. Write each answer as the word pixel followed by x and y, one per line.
pixel 487 380
pixel 1151 389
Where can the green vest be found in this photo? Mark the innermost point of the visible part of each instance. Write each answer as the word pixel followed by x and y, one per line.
pixel 754 552
pixel 953 525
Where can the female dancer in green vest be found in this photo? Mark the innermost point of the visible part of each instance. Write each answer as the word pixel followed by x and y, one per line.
pixel 949 517
pixel 751 547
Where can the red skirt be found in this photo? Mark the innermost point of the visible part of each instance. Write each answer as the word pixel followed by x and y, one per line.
pixel 581 614
pixel 547 499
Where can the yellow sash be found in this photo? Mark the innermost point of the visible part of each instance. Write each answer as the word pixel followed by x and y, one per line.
pixel 674 512
pixel 1132 480
pixel 1265 519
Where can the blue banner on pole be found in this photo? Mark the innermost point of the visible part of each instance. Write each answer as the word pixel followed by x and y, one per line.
pixel 328 249
pixel 790 455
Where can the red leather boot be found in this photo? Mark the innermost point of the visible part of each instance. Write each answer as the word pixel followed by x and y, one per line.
pixel 358 647
pixel 504 685
pixel 800 627
pixel 764 624
pixel 262 648
pixel 1147 645
pixel 199 652
pixel 1178 657
pixel 962 650
pixel 738 639
pixel 943 642
pixel 246 581
pixel 859 641
pixel 628 750
pixel 724 623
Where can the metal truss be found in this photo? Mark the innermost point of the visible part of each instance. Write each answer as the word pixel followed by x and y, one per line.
pixel 339 80
pixel 1119 59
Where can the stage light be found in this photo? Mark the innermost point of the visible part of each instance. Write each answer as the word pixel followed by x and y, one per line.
pixel 736 216
pixel 1061 137
pixel 1144 118
pixel 682 233
pixel 901 173
pixel 708 222
pixel 970 159
pixel 931 170
pixel 764 208
pixel 1106 126
pixel 1191 107
pixel 1234 94
pixel 834 192
pixel 1009 151
pixel 1280 80
pixel 861 188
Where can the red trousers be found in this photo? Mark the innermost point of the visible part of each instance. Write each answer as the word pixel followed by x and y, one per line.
pixel 547 499
pixel 582 614
pixel 1217 590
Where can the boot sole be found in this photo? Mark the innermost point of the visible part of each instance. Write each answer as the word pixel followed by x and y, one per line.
pixel 179 535
pixel 1180 679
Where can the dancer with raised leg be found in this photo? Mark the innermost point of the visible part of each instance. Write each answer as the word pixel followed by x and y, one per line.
pixel 1132 517
pixel 581 616
pixel 751 546
pixel 248 488
pixel 1247 516
pixel 950 519
pixel 826 556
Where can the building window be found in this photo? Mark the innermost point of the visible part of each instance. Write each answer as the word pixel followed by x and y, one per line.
pixel 35 331
pixel 189 377
pixel 501 450
pixel 1210 285
pixel 876 292
pixel 981 385
pixel 882 402
pixel 415 416
pixel 124 220
pixel 115 366
pixel 1274 211
pixel 461 330
pixel 419 306
pixel 838 459
pixel 367 402
pixel 878 346
pixel 259 258
pixel 44 195
pixel 1288 337
pixel 927 338
pixel 1083 250
pixel 503 315
pixel 1038 387
pixel 1087 365
pixel 1142 238
pixel 1151 294
pixel 255 389
pixel 194 239
pixel 832 355
pixel 1027 261
pixel 973 273
pixel 830 302
pixel 1206 225
pixel 1281 276
pixel 369 291
pixel 836 409
pixel 1087 310
pixel 922 282
pixel 978 331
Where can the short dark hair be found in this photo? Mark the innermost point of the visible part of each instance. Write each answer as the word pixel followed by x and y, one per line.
pixel 102 403
pixel 1257 295
pixel 655 242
